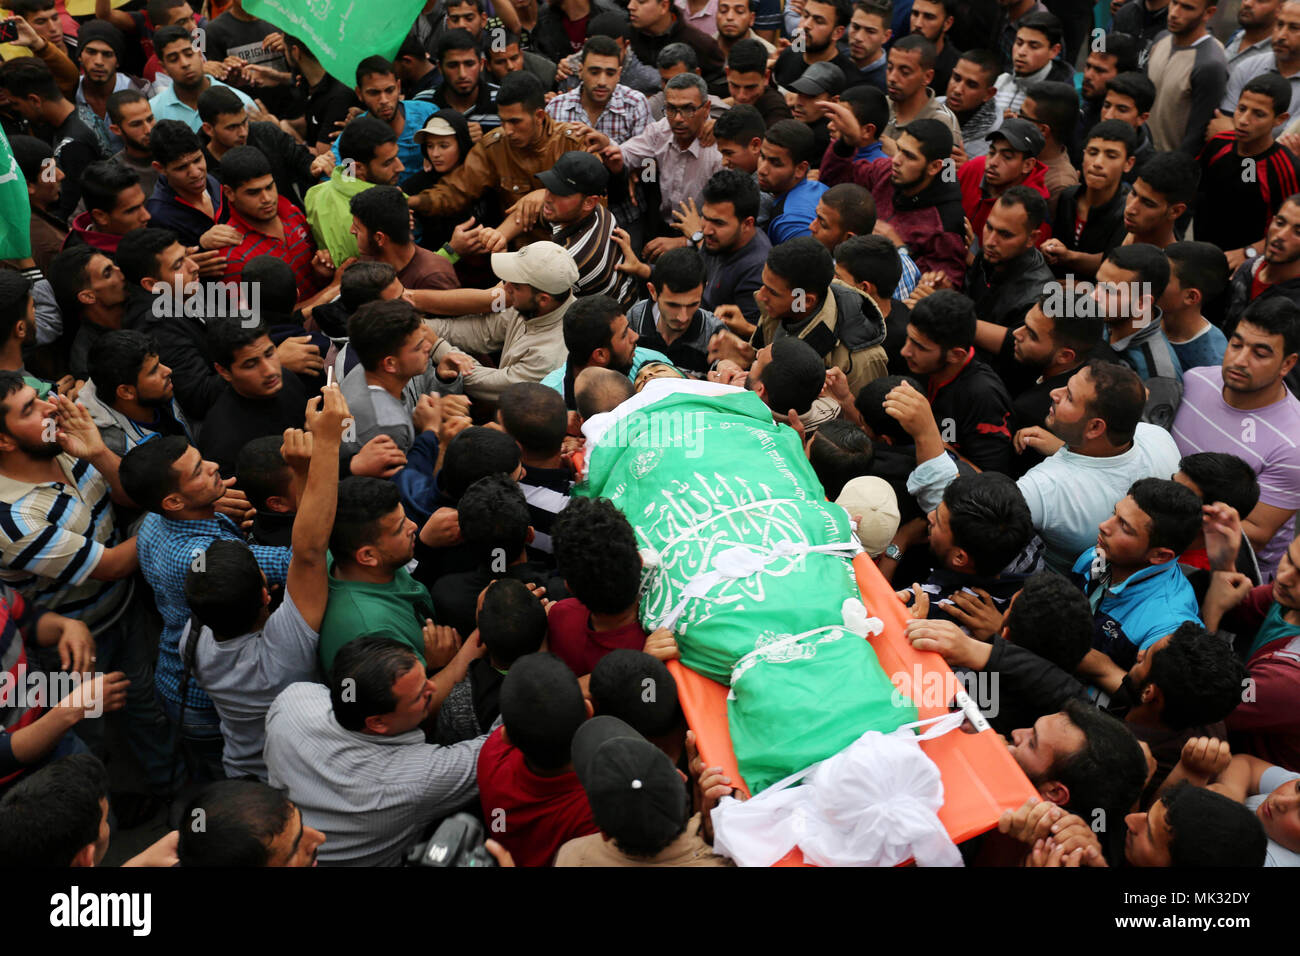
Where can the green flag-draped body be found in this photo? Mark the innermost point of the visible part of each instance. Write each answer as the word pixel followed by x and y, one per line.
pixel 710 483
pixel 15 211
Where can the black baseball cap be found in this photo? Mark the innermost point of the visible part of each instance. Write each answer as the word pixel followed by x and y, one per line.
pixel 576 172
pixel 820 78
pixel 1021 135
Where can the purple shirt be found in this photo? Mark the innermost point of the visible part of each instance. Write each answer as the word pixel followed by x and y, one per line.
pixel 1266 439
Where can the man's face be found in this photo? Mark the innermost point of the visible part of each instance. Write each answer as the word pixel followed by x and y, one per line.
pixel 501 63
pixel 107 283
pixel 394 543
pixel 128 214
pixel 414 693
pixel 29 422
pixel 563 210
pixel 1118 294
pixel 809 109
pixel 942 545
pixel 721 228
pixel 1286 586
pixel 176 268
pixel 778 298
pixel 1098 70
pixel 644 14
pixel 738 155
pixel 1005 166
pixel 819 27
pixel 153 385
pixel 687 113
pixel 1149 835
pixel 734 18
pixel 746 88
pixel 465 16
pixel 136 126
pixel 910 164
pixel 230 129
pixel 922 355
pixel 969 87
pixel 521 297
pixel 1254 360
pixel 762 359
pixel 1125 537
pixel 365 245
pixel 187 175
pixel 183 63
pixel 600 75
pixel 520 124
pixel 1146 211
pixel 622 345
pixel 666 73
pixel 1140 672
pixel 98 61
pixel 45 191
pixel 413 357
pixel 257 199
pixel 46 24
pixel 182 16
pixel 1118 106
pixel 1105 162
pixel 381 93
pixel 255 369
pixel 1038 749
pixel 904 76
pixel 1286 34
pixel 777 172
pixel 867 34
pixel 1254 117
pixel 930 20
pixel 461 69
pixel 1006 234
pixel 827 227
pixel 198 482
pixel 386 168
pixel 676 309
pixel 296 844
pixel 1031 51
pixel 1280 815
pixel 1283 237
pixel 1185 16
pixel 1257 13
pixel 1071 409
pixel 1034 345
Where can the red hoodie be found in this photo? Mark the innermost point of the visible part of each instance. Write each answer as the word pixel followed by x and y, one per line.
pixel 84 230
pixel 977 201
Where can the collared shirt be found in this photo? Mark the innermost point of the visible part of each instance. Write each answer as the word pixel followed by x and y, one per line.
pixel 1236 52
pixel 794 212
pixel 52 537
pixel 626 114
pixel 1012 87
pixel 166 105
pixel 1007 30
pixel 705 20
pixel 415 113
pixel 168 549
pixel 167 210
pixel 682 172
pixel 296 248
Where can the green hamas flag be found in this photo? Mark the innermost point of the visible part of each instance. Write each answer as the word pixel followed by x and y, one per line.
pixel 15 213
pixel 342 33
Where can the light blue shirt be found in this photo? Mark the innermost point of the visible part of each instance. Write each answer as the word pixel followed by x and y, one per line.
pixel 417 113
pixel 640 357
pixel 166 105
pixel 796 213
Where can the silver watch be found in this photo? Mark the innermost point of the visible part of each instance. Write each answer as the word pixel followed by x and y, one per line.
pixel 893 552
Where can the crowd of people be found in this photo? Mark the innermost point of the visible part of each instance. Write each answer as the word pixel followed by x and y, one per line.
pixel 293 386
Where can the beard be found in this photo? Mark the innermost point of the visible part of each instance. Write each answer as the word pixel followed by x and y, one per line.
pixel 618 365
pixel 815 47
pixel 41 450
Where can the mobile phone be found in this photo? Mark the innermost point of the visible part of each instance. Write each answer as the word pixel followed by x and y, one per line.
pixel 9 30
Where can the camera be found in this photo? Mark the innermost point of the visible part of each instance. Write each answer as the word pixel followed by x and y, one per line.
pixel 458 841
pixel 9 30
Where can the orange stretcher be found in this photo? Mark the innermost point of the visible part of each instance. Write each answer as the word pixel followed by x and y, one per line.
pixel 980 777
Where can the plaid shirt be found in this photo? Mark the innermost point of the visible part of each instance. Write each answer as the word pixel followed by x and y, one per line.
pixel 52 536
pixel 626 115
pixel 297 249
pixel 167 552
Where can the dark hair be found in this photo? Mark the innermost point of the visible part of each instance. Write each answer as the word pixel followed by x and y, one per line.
pixel 534 415
pixel 1052 618
pixel 523 89
pixel 172 140
pixel 1048 24
pixel 363 282
pixel 946 318
pixel 383 209
pixel 164 37
pixel 1199 676
pixel 1081 334
pixel 935 137
pixel 843 10
pixel 245 163
pixel 1136 87
pixel 1108 772
pixel 412 47
pixel 1222 477
pixel 51 814
pixel 1174 511
pixel 379 328
pixel 870 106
pixel 735 187
pixel 870 405
pixel 601 46
pixel 795 376
pixel 28 75
pixel 1216 830
pixel 362 138
pixel 1199 265
pixel 225 590
pixel 365 669
pixel 117 359
pixel 363 503
pixel 871 259
pixel 1058 107
pixel 31 154
pixel 987 61
pixel 596 554
pixel 494 519
pixel 1123 47
pixel 511 622
pixel 880 8
pixel 542 708
pixel 989 520
pixel 618 689
pixel 1275 315
pixel 104 181
pixel 146 471
pixel 139 251
pixel 261 471
pixel 10 383
pixel 1146 261
pixel 1119 399
pixel 375 65
pixel 741 124
pixel 747 56
pixel 840 452
pixel 675 53
pixel 805 263
pixel 241 819
pixel 218 101
pixel 226 336
pixel 1114 131
pixel 473 454
pixel 67 274
pixel 15 290
pixel 1273 85
pixel 678 270
pixel 612 23
pixel 277 282
pixel 117 100
pixel 1031 201
pixel 915 43
pixel 1174 175
pixel 855 207
pixel 795 138
pixel 588 326
pixel 24 7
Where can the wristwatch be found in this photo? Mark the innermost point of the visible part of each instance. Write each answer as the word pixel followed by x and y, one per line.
pixel 893 552
pixel 1250 253
pixel 696 238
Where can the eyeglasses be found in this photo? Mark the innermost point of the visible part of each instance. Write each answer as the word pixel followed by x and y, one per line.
pixel 684 111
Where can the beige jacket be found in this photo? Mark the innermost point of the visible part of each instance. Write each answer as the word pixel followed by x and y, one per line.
pixel 689 849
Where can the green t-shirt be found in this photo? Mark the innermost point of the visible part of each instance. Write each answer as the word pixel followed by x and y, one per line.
pixel 361 609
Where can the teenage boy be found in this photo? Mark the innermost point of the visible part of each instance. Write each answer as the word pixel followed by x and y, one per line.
pixel 1129 97
pixel 1090 216
pixel 1164 191
pixel 1198 271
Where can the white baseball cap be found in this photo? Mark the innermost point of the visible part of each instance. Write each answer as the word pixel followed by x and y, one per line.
pixel 542 265
pixel 872 504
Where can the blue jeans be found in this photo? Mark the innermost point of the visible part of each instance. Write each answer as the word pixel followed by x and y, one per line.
pixel 201 741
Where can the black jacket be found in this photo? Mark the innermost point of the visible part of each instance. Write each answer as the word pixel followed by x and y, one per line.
pixel 647 49
pixel 979 409
pixel 549 38
pixel 183 347
pixel 1004 297
pixel 1104 229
